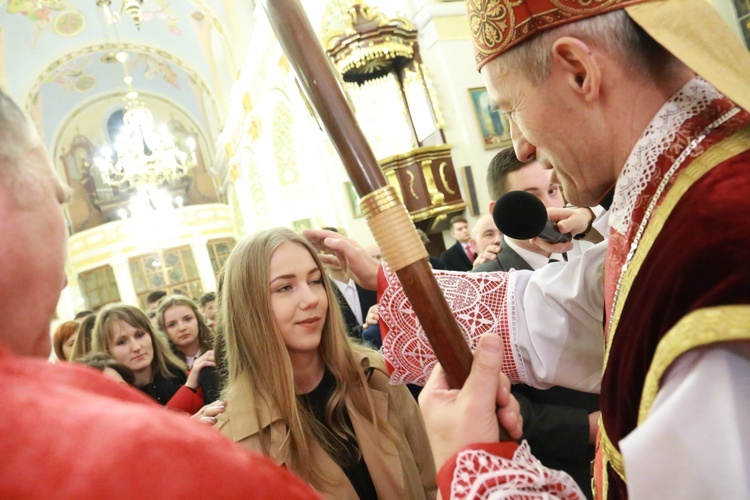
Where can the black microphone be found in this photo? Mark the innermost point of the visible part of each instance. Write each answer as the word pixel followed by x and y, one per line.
pixel 523 216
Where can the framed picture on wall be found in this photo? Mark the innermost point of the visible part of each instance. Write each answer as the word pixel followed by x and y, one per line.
pixel 302 224
pixel 743 16
pixel 493 125
pixel 471 190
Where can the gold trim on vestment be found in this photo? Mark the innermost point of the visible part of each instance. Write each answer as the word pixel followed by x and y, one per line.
pixel 697 329
pixel 716 154
pixel 611 456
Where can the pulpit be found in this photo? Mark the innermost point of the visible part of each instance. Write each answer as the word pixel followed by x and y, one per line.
pixel 394 102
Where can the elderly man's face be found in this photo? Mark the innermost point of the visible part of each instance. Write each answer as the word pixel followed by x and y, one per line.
pixel 556 126
pixel 34 252
pixel 485 233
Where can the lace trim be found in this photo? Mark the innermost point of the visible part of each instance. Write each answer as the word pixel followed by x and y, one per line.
pixel 512 315
pixel 479 304
pixel 641 166
pixel 479 474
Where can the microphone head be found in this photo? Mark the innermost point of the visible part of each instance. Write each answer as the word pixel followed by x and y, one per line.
pixel 520 215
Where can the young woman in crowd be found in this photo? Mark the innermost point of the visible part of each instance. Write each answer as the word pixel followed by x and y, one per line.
pixel 190 338
pixel 298 390
pixel 64 338
pixel 189 335
pixel 125 332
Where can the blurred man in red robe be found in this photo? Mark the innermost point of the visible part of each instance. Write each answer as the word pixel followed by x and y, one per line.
pixel 69 431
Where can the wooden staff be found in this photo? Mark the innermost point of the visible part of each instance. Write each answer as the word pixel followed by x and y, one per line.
pixel 386 215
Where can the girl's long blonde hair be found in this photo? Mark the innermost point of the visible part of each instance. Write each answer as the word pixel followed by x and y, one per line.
pixel 255 351
pixel 165 362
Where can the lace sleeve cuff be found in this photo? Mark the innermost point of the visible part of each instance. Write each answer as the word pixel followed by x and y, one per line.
pixel 503 470
pixel 481 303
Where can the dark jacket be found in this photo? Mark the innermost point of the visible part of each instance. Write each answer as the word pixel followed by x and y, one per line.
pixel 367 299
pixel 506 260
pixel 455 258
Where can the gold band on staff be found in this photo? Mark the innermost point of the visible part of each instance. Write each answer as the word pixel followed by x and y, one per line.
pixel 393 228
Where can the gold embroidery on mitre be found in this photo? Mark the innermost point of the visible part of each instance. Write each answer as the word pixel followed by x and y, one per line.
pixel 697 329
pixel 498 25
pixel 585 8
pixel 491 22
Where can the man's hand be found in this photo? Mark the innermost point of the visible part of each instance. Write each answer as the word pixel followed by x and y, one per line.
pixel 552 247
pixel 489 253
pixel 348 254
pixel 569 220
pixel 572 220
pixel 372 317
pixel 457 418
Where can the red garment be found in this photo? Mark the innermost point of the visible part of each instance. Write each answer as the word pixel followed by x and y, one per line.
pixel 187 400
pixel 69 432
pixel 698 260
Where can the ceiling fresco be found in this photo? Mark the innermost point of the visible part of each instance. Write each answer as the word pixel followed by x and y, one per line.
pixel 57 56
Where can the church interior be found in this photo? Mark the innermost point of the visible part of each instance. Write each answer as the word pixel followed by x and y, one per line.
pixel 180 126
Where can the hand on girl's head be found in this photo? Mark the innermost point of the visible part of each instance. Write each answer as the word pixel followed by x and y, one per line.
pixel 329 259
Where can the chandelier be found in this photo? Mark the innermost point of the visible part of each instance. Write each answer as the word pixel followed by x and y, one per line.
pixel 143 153
pixel 150 199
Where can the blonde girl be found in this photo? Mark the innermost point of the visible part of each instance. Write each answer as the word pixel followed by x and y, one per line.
pixel 298 390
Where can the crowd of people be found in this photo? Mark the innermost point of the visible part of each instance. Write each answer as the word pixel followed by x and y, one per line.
pixel 274 385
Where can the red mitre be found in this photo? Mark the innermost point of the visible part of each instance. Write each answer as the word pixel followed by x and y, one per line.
pixel 691 30
pixel 498 25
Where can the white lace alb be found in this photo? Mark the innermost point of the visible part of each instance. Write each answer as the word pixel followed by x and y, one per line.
pixel 660 133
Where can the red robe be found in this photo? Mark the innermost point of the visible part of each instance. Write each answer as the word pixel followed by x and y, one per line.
pixel 698 260
pixel 69 432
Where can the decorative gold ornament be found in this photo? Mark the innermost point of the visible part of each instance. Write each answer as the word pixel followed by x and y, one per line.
pixel 370 44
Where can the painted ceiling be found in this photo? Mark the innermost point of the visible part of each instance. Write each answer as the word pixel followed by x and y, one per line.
pixel 56 56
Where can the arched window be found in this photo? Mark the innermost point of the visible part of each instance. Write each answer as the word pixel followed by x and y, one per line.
pixel 114 124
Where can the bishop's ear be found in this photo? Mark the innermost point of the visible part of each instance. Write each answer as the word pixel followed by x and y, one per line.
pixel 580 68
